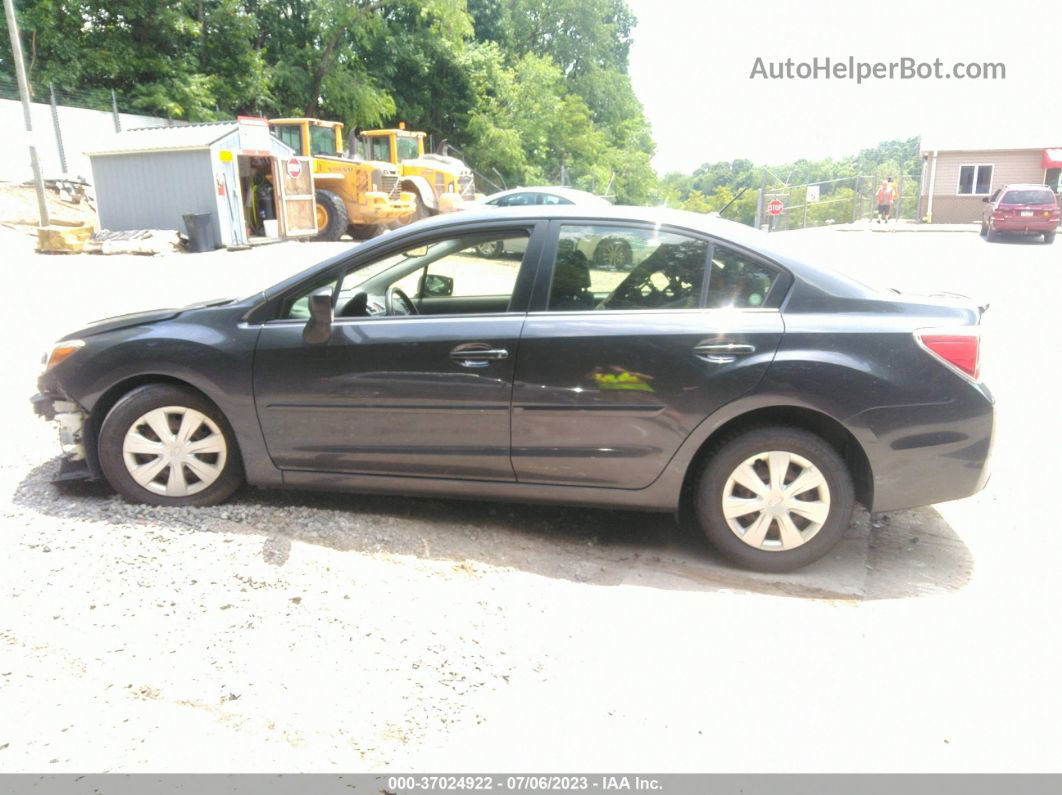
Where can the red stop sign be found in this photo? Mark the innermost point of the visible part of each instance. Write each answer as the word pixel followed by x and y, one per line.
pixel 294 168
pixel 775 206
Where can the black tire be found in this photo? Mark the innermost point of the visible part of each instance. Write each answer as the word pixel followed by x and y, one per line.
pixel 136 404
pixel 1049 237
pixel 337 220
pixel 725 459
pixel 491 250
pixel 991 235
pixel 983 230
pixel 613 253
pixel 365 231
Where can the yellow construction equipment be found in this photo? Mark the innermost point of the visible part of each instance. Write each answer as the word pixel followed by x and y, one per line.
pixel 442 183
pixel 362 197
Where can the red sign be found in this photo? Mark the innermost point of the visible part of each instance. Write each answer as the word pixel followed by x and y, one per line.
pixel 295 168
pixel 775 206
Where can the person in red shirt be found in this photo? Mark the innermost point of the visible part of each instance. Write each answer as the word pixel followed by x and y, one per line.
pixel 886 196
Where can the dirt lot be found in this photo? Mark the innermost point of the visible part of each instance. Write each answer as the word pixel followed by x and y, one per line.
pixel 341 632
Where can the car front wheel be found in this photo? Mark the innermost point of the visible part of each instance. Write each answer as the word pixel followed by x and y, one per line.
pixel 165 445
pixel 775 498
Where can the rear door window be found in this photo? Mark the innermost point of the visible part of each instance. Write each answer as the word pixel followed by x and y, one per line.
pixel 613 267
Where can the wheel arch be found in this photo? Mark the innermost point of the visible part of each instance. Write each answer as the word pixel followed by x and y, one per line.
pixel 422 188
pixel 110 397
pixel 812 420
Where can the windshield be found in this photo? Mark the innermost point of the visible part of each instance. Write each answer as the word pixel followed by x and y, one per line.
pixel 1033 196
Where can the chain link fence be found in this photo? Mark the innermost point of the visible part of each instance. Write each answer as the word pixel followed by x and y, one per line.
pixel 837 201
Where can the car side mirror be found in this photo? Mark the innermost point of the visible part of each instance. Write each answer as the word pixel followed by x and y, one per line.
pixel 318 328
pixel 434 285
pixel 985 200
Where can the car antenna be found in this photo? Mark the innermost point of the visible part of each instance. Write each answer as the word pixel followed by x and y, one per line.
pixel 736 197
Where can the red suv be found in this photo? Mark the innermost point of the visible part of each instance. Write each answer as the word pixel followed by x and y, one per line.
pixel 1021 210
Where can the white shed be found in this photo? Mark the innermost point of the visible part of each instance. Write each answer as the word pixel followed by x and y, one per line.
pixel 151 178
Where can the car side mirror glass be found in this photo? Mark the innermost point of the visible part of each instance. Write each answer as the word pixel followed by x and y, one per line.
pixel 318 328
pixel 434 285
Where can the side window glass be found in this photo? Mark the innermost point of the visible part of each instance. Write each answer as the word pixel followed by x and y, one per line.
pixel 609 267
pixel 380 148
pixel 549 198
pixel 472 274
pixel 517 200
pixel 737 281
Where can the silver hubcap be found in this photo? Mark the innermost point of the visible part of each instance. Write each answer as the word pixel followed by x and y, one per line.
pixel 776 501
pixel 174 451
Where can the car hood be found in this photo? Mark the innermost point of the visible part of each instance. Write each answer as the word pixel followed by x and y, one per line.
pixel 139 319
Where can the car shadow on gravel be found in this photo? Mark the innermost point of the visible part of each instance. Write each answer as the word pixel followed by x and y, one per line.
pixel 882 556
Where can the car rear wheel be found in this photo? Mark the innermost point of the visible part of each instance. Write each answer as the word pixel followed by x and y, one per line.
pixel 991 235
pixel 775 498
pixel 165 445
pixel 1049 237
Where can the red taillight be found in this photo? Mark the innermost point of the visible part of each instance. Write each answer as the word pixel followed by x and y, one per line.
pixel 962 351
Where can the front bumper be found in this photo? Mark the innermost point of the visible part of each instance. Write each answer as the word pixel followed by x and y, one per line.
pixel 379 208
pixel 71 421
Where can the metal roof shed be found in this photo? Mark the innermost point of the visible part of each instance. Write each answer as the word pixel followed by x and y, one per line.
pixel 151 178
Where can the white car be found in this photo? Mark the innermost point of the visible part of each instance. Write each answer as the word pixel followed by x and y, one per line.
pixel 525 197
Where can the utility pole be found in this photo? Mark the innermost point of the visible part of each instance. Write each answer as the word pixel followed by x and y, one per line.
pixel 759 200
pixel 23 90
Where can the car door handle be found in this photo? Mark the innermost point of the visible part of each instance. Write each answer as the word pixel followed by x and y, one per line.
pixel 722 352
pixel 477 354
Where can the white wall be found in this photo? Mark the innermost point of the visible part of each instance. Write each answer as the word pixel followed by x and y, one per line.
pixel 83 130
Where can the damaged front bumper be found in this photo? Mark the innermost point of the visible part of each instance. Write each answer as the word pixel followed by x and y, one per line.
pixel 71 421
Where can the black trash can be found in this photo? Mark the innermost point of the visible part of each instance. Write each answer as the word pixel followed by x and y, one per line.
pixel 200 232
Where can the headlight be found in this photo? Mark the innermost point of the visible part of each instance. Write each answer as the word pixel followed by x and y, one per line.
pixel 61 351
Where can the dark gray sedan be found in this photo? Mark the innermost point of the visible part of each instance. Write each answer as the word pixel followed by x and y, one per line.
pixel 766 394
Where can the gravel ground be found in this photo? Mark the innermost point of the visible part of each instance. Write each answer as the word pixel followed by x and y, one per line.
pixel 295 631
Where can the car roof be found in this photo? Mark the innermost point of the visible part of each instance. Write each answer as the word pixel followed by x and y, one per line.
pixel 559 190
pixel 710 224
pixel 1027 186
pixel 821 277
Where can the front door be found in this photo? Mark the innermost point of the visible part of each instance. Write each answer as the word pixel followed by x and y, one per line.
pixel 643 333
pixel 417 376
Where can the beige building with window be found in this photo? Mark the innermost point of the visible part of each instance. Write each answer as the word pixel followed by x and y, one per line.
pixel 958 175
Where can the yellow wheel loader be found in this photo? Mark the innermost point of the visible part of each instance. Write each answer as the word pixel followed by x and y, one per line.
pixel 441 183
pixel 362 197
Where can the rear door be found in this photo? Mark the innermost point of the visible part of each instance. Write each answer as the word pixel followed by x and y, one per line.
pixel 637 334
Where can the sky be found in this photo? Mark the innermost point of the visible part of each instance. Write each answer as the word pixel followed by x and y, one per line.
pixel 691 61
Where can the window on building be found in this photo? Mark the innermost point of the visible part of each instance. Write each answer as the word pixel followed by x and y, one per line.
pixel 1051 178
pixel 975 180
